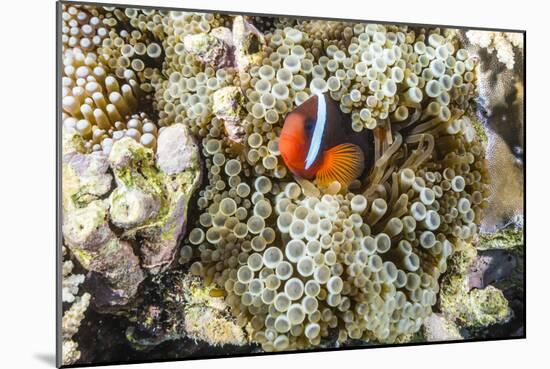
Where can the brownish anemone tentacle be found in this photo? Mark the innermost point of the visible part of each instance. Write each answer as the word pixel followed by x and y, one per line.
pixel 413 118
pixel 426 126
pixel 399 209
pixel 379 173
pixel 389 137
pixel 394 189
pixel 374 192
pixel 378 137
pixel 415 153
pixel 427 152
pixel 391 169
pixel 393 148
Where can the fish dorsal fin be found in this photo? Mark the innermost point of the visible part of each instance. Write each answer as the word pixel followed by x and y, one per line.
pixel 317 137
pixel 342 163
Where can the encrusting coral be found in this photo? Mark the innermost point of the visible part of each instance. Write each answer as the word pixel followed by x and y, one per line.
pixel 297 264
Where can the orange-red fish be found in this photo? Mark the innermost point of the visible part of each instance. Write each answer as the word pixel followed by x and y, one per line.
pixel 317 141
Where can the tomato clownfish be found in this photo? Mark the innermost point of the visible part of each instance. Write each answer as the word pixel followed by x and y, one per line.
pixel 317 141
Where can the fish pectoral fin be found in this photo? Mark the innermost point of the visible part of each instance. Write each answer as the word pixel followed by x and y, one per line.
pixel 342 163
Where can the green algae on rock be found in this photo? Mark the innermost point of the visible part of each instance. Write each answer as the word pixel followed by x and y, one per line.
pixel 470 308
pixel 159 192
pixel 485 307
pixel 85 227
pixel 228 106
pixel 506 239
pixel 148 203
pixel 188 309
pixel 209 49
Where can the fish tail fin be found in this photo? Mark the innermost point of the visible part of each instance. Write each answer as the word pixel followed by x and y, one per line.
pixel 342 163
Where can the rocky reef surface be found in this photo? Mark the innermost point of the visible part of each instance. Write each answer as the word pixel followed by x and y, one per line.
pixel 124 214
pixel 184 234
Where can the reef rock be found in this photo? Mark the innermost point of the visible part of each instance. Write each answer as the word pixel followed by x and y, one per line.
pixel 227 106
pixel 184 307
pixel 111 262
pixel 176 150
pixel 132 206
pixel 485 307
pixel 210 49
pixel 470 308
pixel 249 43
pixel 86 227
pixel 223 34
pixel 159 192
pixel 147 206
pixel 85 176
pixel 492 266
pixel 240 47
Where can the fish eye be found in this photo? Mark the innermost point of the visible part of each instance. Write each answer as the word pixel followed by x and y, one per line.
pixel 309 125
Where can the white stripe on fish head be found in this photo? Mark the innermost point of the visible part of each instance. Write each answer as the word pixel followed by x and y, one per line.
pixel 317 137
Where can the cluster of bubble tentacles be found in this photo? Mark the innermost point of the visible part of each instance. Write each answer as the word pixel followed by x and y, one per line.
pixel 112 61
pixel 106 77
pixel 296 263
pixel 378 74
